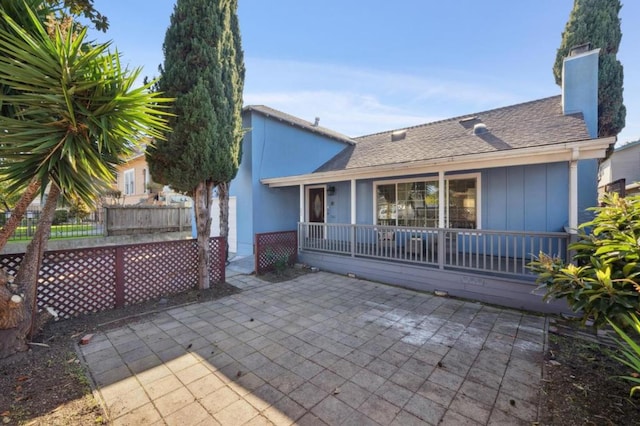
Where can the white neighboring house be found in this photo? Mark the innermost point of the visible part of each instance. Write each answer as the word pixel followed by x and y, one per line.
pixel 624 163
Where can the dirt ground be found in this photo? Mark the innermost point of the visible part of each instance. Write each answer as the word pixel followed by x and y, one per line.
pixel 48 386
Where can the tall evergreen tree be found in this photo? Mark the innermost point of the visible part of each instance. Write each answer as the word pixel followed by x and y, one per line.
pixel 597 22
pixel 204 71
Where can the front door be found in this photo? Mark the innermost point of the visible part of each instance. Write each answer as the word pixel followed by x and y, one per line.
pixel 316 212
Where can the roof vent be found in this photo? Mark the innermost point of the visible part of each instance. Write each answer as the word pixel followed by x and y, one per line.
pixel 398 135
pixel 479 128
pixel 581 48
pixel 317 122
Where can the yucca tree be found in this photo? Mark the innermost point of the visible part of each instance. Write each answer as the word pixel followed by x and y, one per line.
pixel 76 114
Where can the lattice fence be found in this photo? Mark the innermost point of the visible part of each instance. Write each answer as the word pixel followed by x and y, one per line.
pixel 275 249
pixel 82 281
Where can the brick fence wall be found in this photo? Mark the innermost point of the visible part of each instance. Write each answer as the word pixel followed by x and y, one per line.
pixel 80 281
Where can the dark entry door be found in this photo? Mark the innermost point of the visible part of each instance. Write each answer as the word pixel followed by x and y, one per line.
pixel 316 212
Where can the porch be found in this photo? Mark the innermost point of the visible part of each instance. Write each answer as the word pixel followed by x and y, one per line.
pixel 484 265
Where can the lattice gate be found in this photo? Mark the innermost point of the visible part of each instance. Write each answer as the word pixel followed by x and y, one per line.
pixel 273 248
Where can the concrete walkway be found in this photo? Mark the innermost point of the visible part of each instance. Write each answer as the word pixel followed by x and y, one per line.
pixel 322 349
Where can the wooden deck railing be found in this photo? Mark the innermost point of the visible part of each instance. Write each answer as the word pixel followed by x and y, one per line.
pixel 486 251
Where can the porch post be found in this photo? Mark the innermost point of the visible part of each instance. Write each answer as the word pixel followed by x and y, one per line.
pixel 353 218
pixel 301 203
pixel 573 192
pixel 441 219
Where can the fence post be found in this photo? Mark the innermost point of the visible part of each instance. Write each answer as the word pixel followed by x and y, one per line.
pixel 442 250
pixel 119 276
pixel 105 221
pixel 180 219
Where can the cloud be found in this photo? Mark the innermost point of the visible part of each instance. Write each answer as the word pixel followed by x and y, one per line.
pixel 358 101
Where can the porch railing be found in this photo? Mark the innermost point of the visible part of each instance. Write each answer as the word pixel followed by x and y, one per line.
pixel 486 251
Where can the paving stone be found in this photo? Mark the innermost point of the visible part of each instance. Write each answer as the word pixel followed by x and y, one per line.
pixel 285 411
pixel 162 386
pixel 368 380
pixel 451 418
pixel 307 395
pixel 327 380
pixel 500 418
pixel 310 419
pixel 143 416
pixel 446 379
pixel 479 392
pixel 437 393
pixel 124 403
pixel 351 394
pixel 205 386
pixel 192 373
pixel 404 418
pixel 516 407
pixel 425 409
pixel 379 409
pixel 395 394
pixel 286 382
pixel 265 396
pixel 246 383
pixel 192 413
pixel 173 401
pixel 307 369
pixel 237 413
pixel 113 376
pixel 218 400
pixel 407 380
pixel 470 408
pixel 332 411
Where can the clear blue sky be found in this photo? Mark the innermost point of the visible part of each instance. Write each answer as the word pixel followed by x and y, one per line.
pixel 368 66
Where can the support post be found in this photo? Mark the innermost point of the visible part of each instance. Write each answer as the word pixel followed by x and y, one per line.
pixel 353 218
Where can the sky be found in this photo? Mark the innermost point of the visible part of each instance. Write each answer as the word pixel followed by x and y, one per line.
pixel 368 66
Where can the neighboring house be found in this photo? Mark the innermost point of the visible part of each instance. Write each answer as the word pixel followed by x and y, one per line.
pixel 133 179
pixel 459 205
pixel 621 170
pixel 134 183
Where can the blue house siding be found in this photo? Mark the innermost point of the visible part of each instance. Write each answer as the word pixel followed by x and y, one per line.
pixel 530 197
pixel 588 188
pixel 274 148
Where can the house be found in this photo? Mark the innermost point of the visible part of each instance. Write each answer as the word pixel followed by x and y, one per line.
pixel 621 170
pixel 459 205
pixel 134 185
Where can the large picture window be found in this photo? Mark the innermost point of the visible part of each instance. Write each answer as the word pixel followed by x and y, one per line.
pixel 416 203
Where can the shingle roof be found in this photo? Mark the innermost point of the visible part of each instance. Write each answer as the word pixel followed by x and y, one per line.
pixel 530 124
pixel 295 121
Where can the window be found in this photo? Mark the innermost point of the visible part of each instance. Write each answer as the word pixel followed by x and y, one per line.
pixel 416 203
pixel 129 182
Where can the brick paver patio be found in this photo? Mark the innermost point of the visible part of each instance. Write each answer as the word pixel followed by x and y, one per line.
pixel 322 349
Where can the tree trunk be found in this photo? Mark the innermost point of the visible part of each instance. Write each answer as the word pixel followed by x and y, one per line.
pixel 223 197
pixel 202 206
pixel 15 339
pixel 18 211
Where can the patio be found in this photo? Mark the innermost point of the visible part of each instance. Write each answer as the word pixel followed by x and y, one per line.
pixel 322 349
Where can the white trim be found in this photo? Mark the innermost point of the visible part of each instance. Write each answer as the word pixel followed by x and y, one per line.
pixel 302 203
pixel 353 201
pixel 132 173
pixel 308 200
pixel 589 149
pixel 443 180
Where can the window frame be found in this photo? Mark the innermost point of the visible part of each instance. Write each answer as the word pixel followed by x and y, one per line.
pixel 432 178
pixel 129 173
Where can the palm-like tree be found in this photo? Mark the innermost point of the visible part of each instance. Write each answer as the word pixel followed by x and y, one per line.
pixel 76 114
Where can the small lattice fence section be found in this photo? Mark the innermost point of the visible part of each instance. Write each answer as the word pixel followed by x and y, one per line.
pixel 82 281
pixel 275 249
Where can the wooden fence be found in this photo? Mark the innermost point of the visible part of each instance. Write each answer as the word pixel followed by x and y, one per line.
pixel 275 249
pixel 82 281
pixel 128 220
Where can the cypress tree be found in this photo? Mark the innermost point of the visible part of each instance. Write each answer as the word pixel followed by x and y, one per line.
pixel 204 71
pixel 597 22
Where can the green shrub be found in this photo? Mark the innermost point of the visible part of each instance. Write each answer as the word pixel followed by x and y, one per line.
pixel 603 281
pixel 630 350
pixel 60 216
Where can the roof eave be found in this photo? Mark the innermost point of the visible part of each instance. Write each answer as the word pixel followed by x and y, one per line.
pixel 567 151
